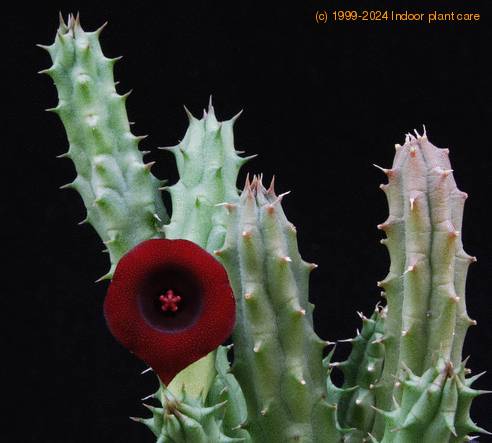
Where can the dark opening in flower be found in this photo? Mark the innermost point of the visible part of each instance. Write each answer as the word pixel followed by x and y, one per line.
pixel 170 297
pixel 170 303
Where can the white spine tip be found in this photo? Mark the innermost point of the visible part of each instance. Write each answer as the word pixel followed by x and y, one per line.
pixel 287 259
pixel 347 340
pixel 412 203
pixel 386 171
pixel 411 268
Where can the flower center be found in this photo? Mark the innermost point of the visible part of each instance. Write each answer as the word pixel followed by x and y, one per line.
pixel 169 301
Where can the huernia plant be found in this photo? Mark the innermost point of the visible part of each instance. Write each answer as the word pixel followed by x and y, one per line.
pixel 226 263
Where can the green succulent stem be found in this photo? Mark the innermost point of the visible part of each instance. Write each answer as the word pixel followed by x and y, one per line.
pixel 362 370
pixel 208 166
pixel 277 355
pixel 120 193
pixel 425 288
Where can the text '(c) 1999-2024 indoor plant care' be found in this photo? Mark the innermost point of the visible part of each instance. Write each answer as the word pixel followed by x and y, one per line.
pixel 171 303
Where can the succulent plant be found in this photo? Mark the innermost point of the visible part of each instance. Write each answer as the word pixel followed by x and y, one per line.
pixel 227 262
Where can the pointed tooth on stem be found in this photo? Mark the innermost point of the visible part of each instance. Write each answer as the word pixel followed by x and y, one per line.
pixel 235 117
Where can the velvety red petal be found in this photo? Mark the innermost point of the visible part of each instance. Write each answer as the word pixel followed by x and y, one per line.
pixel 205 319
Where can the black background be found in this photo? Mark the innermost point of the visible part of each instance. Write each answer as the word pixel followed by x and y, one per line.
pixel 321 104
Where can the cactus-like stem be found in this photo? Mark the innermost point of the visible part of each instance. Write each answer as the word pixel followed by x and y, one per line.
pixel 121 195
pixel 362 372
pixel 278 356
pixel 426 317
pixel 208 166
pixel 434 407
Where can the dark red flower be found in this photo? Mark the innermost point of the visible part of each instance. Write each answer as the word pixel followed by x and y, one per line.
pixel 170 303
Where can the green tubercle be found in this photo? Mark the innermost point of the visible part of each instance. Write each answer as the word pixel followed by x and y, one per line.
pixel 120 193
pixel 277 355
